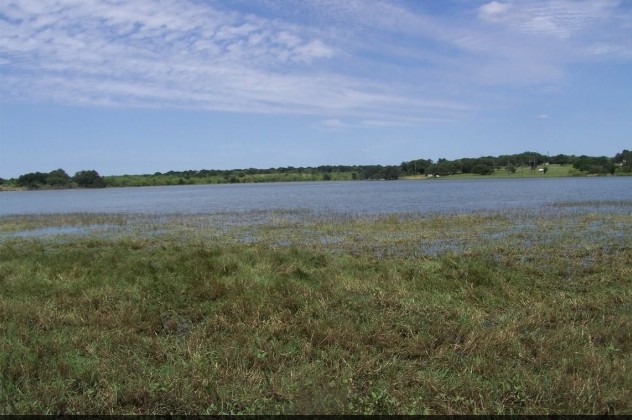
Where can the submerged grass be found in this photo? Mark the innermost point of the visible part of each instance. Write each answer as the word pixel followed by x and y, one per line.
pixel 525 312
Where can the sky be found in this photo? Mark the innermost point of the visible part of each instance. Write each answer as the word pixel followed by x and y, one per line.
pixel 144 86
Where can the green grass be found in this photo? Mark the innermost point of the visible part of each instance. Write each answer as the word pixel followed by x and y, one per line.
pixel 156 180
pixel 523 312
pixel 553 170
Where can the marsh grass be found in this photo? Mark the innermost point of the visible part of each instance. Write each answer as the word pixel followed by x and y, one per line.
pixel 525 312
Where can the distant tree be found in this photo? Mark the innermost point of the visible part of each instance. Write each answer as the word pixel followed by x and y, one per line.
pixel 560 159
pixel 2 181
pixel 594 165
pixel 528 157
pixel 442 168
pixel 415 166
pixel 451 167
pixel 32 180
pixel 482 169
pixel 326 177
pixel 624 156
pixel 624 160
pixel 58 178
pixel 391 172
pixel 467 164
pixel 89 179
pixel 370 171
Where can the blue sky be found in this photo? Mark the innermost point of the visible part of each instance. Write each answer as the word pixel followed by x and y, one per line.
pixel 131 87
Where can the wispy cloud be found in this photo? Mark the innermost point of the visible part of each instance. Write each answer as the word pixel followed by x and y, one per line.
pixel 382 62
pixel 557 18
pixel 173 52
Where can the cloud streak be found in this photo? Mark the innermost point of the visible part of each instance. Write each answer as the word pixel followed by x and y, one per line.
pixel 380 61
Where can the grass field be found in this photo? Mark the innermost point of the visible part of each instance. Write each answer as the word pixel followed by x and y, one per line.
pixel 552 170
pixel 151 180
pixel 524 312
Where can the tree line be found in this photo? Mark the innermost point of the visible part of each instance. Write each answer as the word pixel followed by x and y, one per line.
pixel 486 165
pixel 59 179
pixel 489 164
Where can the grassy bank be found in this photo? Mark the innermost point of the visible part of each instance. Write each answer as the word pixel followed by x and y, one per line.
pixel 241 177
pixel 552 171
pixel 292 312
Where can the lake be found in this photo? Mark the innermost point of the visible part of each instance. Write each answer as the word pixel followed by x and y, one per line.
pixel 437 195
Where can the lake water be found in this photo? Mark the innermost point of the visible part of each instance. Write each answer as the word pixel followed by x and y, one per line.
pixel 439 195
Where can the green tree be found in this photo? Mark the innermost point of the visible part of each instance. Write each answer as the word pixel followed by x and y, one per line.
pixel 561 159
pixel 414 167
pixel 58 178
pixel 594 165
pixel 32 180
pixel 482 169
pixel 624 160
pixel 89 179
pixel 390 172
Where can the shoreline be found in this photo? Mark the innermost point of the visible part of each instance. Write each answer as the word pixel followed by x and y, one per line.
pixel 402 178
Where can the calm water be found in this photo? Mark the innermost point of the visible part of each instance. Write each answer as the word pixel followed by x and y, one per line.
pixel 364 196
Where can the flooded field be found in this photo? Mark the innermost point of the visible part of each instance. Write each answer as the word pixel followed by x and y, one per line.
pixel 571 224
pixel 511 311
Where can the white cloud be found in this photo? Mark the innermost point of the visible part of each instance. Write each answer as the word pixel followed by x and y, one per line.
pixel 333 123
pixel 137 50
pixel 556 18
pixel 383 62
pixel 493 11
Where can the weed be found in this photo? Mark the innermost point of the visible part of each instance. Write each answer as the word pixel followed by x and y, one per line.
pixel 522 312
